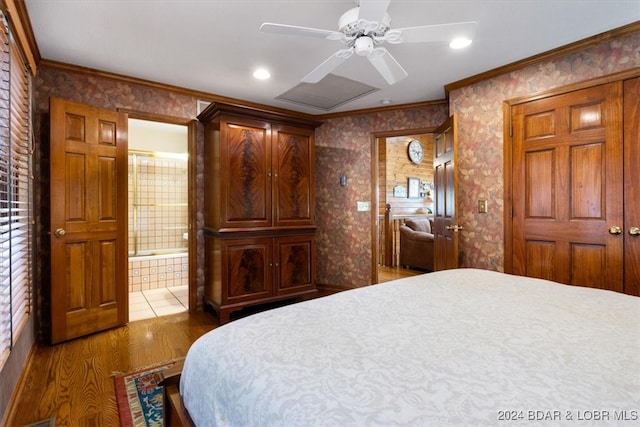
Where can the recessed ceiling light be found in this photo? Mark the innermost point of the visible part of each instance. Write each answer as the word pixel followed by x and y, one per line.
pixel 385 101
pixel 459 43
pixel 261 74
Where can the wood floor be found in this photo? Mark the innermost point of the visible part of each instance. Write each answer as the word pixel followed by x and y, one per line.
pixel 386 274
pixel 73 381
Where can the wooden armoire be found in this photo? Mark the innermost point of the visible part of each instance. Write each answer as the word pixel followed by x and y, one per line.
pixel 259 207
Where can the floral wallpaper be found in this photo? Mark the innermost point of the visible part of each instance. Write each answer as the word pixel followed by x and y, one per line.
pixel 109 93
pixel 343 147
pixel 479 109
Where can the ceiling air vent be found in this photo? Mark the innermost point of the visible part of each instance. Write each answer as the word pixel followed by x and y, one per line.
pixel 329 93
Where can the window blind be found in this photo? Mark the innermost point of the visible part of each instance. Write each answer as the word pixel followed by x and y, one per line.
pixel 5 220
pixel 16 193
pixel 21 192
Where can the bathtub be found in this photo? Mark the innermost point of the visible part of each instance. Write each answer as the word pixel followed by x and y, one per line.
pixel 158 271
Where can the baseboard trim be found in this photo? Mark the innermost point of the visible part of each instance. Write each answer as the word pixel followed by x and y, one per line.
pixel 324 288
pixel 9 414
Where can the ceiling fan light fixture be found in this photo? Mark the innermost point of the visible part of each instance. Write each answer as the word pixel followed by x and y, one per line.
pixel 460 43
pixel 363 46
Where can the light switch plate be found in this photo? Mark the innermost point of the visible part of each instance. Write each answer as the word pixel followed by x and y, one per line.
pixel 364 206
pixel 482 206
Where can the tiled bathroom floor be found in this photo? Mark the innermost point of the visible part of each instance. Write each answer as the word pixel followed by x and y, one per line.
pixel 158 302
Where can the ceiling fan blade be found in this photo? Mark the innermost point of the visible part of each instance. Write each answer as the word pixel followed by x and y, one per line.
pixel 373 10
pixel 387 65
pixel 437 33
pixel 293 30
pixel 328 66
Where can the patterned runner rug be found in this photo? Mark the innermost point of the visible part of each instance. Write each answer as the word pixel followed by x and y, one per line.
pixel 139 398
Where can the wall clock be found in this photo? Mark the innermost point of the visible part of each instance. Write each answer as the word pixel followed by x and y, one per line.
pixel 416 153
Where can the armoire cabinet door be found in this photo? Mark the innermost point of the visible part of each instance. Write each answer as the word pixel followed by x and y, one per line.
pixel 247 266
pixel 295 256
pixel 245 157
pixel 294 176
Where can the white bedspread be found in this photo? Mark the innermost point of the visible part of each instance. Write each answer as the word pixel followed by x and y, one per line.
pixel 458 347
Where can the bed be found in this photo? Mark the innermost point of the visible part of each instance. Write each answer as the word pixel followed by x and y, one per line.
pixel 457 347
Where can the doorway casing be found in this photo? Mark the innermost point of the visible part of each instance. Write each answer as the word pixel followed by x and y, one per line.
pixel 192 204
pixel 375 188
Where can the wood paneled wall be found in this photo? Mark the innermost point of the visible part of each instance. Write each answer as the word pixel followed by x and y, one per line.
pixel 395 168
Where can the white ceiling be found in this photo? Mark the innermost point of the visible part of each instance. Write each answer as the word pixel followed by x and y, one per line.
pixel 214 45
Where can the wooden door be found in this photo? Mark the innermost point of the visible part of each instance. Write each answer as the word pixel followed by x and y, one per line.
pixel 632 186
pixel 293 181
pixel 446 228
pixel 88 188
pixel 568 188
pixel 245 173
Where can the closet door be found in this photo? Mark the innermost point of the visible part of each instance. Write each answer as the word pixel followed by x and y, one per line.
pixel 568 188
pixel 632 186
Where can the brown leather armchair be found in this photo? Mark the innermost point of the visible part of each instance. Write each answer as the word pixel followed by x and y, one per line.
pixel 416 244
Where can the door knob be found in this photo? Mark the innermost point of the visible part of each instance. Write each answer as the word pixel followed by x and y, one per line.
pixel 634 231
pixel 60 232
pixel 454 227
pixel 615 230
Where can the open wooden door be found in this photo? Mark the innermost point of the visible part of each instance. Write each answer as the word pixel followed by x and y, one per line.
pixel 88 186
pixel 445 175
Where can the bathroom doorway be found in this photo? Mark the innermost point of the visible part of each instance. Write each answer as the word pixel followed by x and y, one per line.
pixel 158 219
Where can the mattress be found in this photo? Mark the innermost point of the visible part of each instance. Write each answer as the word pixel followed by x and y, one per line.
pixel 457 347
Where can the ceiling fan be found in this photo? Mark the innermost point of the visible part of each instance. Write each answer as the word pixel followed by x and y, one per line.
pixel 363 30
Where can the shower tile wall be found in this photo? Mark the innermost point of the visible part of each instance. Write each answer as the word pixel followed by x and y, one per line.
pixel 158 221
pixel 158 199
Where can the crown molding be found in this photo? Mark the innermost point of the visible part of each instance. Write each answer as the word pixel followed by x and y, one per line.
pixel 200 95
pixel 617 33
pixel 404 107
pixel 20 23
pixel 46 63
